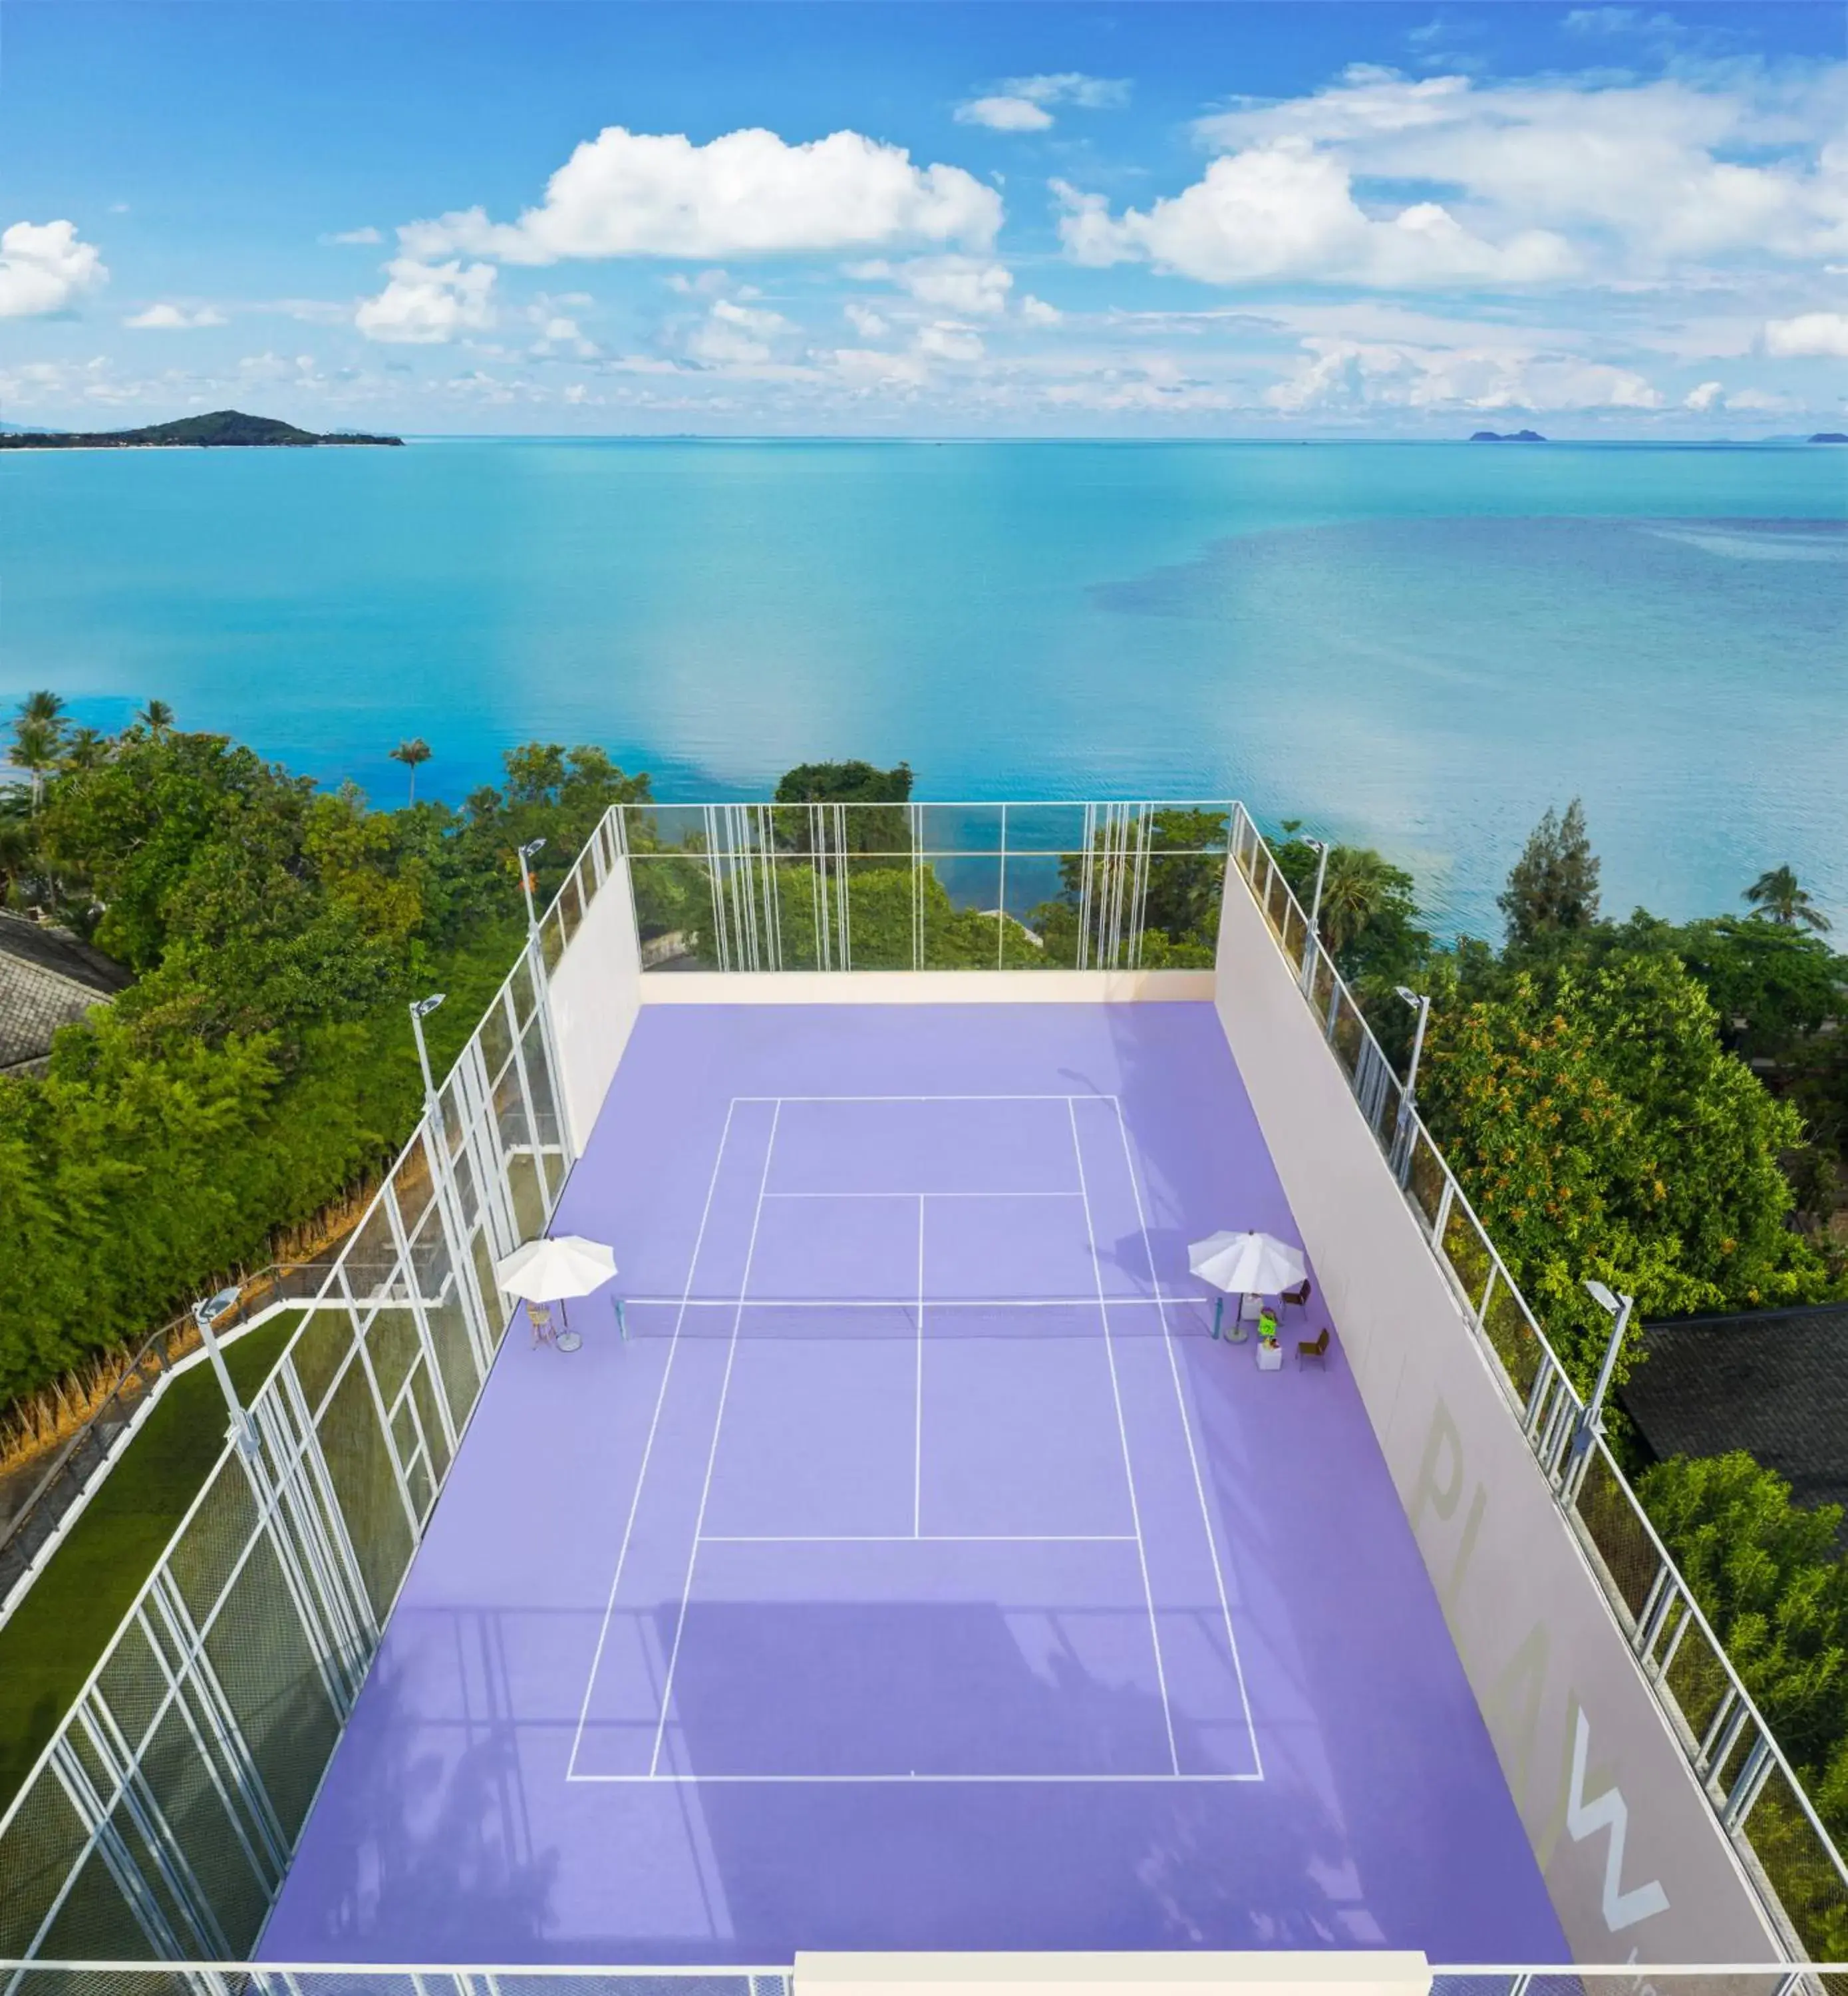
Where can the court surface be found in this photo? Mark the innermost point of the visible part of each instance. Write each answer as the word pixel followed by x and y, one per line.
pixel 921 1572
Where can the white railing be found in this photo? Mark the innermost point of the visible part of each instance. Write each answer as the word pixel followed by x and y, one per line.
pixel 1788 1853
pixel 160 1817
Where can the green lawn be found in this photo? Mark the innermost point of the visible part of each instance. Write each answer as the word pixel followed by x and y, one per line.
pixel 75 1605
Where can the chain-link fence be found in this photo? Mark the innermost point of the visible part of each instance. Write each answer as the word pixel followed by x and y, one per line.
pixel 159 1821
pixel 1786 1850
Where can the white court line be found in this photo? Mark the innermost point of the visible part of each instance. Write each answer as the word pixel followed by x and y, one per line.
pixel 1154 1636
pixel 917 1456
pixel 699 1523
pixel 648 1449
pixel 918 1538
pixel 1086 1095
pixel 894 1303
pixel 1187 1430
pixel 921 1195
pixel 920 1781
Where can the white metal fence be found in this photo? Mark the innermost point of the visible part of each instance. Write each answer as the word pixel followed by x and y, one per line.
pixel 913 887
pixel 1787 1852
pixel 159 1818
pixel 130 1978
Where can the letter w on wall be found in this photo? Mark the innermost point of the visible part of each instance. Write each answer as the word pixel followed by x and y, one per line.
pixel 1607 1811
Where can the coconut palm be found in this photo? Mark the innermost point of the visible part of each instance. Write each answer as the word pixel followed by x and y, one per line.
pixel 1779 894
pixel 1356 886
pixel 35 750
pixel 88 749
pixel 410 753
pixel 156 717
pixel 48 708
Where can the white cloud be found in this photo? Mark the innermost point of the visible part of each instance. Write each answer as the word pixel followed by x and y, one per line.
pixel 1823 334
pixel 632 193
pixel 425 304
pixel 1036 311
pixel 368 234
pixel 1004 114
pixel 1640 168
pixel 863 368
pixel 1339 374
pixel 44 266
pixel 973 287
pixel 735 336
pixel 1071 86
pixel 1020 104
pixel 1757 401
pixel 944 341
pixel 864 320
pixel 1283 210
pixel 165 317
pixel 1706 397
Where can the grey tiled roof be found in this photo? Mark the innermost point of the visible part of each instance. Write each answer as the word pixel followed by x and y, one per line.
pixel 1773 1382
pixel 46 981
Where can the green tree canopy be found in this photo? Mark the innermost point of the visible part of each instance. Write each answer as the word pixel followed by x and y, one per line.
pixel 1552 889
pixel 1601 1129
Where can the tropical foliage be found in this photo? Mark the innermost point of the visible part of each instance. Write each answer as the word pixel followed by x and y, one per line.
pixel 261 1061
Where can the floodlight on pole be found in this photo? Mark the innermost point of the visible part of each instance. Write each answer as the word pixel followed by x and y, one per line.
pixel 1590 1422
pixel 242 1430
pixel 1420 1003
pixel 527 851
pixel 420 1010
pixel 1319 845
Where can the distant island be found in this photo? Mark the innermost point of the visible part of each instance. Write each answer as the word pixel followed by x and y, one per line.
pixel 1829 437
pixel 1507 436
pixel 221 429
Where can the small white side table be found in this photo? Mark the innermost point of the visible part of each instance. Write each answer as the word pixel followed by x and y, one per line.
pixel 1270 1357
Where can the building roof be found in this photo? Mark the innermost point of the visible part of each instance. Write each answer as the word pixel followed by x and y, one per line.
pixel 1773 1382
pixel 48 979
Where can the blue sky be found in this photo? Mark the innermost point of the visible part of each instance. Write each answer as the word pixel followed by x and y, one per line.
pixel 1148 220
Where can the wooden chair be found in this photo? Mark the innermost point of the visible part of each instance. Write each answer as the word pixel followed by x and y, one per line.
pixel 1313 1348
pixel 1299 1295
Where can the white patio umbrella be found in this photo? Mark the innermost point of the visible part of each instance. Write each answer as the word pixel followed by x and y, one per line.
pixel 1245 1265
pixel 546 1270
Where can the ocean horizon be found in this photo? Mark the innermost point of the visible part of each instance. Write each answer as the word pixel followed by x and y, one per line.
pixel 1419 645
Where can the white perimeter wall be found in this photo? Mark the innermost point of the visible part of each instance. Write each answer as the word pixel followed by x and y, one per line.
pixel 1634 1859
pixel 922 987
pixel 596 994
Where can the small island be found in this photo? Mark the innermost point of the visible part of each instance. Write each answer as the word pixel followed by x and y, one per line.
pixel 1830 436
pixel 222 428
pixel 1507 436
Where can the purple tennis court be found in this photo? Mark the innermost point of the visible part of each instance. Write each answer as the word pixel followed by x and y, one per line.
pixel 920 1572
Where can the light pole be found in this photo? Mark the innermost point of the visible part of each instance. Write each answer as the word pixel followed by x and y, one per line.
pixel 1420 1001
pixel 527 851
pixel 1590 1422
pixel 1321 845
pixel 243 1429
pixel 420 1009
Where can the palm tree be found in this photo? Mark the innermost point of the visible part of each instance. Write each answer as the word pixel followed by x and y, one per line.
pixel 1779 894
pixel 46 707
pixel 86 750
pixel 35 750
pixel 410 753
pixel 1354 889
pixel 156 717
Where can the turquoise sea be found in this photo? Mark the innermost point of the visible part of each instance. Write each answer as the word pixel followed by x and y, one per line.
pixel 1419 645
